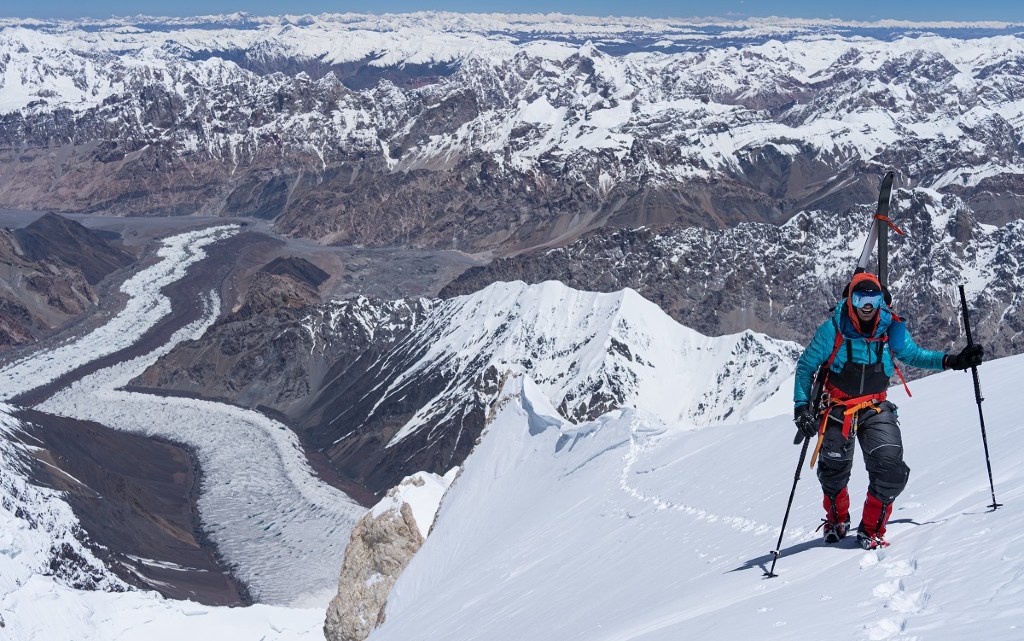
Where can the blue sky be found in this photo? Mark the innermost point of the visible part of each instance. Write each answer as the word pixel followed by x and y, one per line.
pixel 1003 10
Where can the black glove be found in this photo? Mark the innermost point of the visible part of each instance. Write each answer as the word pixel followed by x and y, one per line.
pixel 968 357
pixel 806 422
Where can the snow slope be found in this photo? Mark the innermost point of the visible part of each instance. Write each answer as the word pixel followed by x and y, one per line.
pixel 627 528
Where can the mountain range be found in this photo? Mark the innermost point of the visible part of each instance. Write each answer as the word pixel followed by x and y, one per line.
pixel 784 279
pixel 498 133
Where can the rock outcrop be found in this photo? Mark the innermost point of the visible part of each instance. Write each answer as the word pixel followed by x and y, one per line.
pixel 37 296
pixel 382 544
pixel 48 274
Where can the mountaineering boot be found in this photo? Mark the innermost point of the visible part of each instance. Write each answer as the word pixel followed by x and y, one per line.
pixel 871 531
pixel 837 516
pixel 870 542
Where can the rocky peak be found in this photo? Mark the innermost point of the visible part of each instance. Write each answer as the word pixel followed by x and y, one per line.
pixel 54 237
pixel 269 293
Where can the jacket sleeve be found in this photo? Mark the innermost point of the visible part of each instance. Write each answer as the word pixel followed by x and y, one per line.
pixel 905 349
pixel 814 356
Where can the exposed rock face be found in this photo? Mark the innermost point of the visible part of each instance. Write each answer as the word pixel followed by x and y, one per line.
pixel 782 280
pixel 299 269
pixel 269 292
pixel 64 550
pixel 48 271
pixel 37 296
pixel 56 238
pixel 136 499
pixel 382 544
pixel 279 348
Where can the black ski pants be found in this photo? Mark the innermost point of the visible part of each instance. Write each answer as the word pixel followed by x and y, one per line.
pixel 879 434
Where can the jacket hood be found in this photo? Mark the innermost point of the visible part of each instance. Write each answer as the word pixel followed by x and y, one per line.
pixel 863 278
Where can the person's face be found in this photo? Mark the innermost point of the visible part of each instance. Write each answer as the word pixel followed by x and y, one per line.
pixel 866 303
pixel 866 313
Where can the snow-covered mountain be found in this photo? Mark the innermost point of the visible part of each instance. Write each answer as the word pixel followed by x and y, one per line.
pixel 782 279
pixel 495 132
pixel 386 388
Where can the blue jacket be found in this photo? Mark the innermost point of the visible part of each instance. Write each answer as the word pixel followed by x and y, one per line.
pixel 899 344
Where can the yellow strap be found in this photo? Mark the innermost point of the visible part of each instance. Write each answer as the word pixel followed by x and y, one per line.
pixel 821 437
pixel 853 409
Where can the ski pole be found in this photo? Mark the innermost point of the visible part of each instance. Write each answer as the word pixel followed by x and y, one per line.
pixel 978 397
pixel 777 552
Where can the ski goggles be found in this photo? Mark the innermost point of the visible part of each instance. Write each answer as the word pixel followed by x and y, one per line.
pixel 865 298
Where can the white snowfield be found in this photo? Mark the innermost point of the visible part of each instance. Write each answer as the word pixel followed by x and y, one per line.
pixel 629 529
pixel 626 528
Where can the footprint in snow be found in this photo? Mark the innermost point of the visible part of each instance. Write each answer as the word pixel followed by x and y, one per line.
pixel 884 629
pixel 901 567
pixel 894 594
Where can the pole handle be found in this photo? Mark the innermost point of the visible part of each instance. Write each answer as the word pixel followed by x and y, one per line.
pixel 966 316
